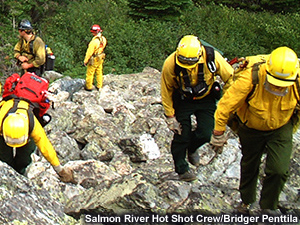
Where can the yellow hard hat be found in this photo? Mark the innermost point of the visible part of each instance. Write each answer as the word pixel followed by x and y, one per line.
pixel 15 130
pixel 282 67
pixel 188 51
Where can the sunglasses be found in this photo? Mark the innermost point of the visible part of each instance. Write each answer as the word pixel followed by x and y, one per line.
pixel 187 61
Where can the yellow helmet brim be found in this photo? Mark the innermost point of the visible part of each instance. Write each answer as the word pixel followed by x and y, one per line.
pixel 184 65
pixel 281 82
pixel 16 142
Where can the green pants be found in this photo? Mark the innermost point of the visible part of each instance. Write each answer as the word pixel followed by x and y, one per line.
pixel 189 141
pixel 22 158
pixel 277 145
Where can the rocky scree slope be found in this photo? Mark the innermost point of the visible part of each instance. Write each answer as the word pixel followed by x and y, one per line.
pixel 118 144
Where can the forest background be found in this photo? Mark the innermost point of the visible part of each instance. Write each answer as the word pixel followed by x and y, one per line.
pixel 143 33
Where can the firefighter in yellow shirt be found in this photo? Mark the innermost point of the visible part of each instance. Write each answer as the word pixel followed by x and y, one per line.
pixel 265 125
pixel 94 58
pixel 30 50
pixel 20 136
pixel 189 87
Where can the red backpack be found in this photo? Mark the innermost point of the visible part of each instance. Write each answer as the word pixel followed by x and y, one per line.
pixel 28 87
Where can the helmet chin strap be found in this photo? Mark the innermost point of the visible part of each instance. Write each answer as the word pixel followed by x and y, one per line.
pixel 14 152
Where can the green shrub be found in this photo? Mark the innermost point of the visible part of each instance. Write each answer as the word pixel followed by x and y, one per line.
pixel 136 44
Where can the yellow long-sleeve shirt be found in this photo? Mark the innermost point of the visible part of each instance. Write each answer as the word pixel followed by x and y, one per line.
pixel 37 57
pixel 38 133
pixel 96 47
pixel 263 111
pixel 169 78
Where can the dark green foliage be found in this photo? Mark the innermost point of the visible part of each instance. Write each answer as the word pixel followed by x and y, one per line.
pixel 132 45
pixel 281 6
pixel 242 33
pixel 135 44
pixel 157 9
pixel 35 10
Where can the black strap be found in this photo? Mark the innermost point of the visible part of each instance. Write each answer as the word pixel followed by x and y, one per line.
pixel 187 83
pixel 30 90
pixel 186 78
pixel 200 72
pixel 31 46
pixel 298 88
pixel 201 79
pixel 14 107
pixel 210 59
pixel 31 118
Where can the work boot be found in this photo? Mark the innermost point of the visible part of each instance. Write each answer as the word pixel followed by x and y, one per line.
pixel 87 89
pixel 194 158
pixel 243 208
pixel 187 176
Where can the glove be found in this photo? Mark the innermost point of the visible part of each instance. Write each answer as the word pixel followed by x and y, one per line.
pixel 217 142
pixel 65 174
pixel 173 125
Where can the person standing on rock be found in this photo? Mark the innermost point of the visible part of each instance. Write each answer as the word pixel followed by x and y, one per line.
pixel 29 50
pixel 21 132
pixel 94 59
pixel 265 124
pixel 189 87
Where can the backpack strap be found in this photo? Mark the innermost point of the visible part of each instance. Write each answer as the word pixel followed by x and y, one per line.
pixel 185 76
pixel 186 79
pixel 255 80
pixel 14 107
pixel 210 59
pixel 201 79
pixel 31 118
pixel 100 45
pixel 178 69
pixel 31 46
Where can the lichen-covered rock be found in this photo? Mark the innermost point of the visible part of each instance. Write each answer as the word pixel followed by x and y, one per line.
pixel 23 202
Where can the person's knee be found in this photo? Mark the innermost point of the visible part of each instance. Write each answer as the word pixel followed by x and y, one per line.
pixel 204 134
pixel 281 174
